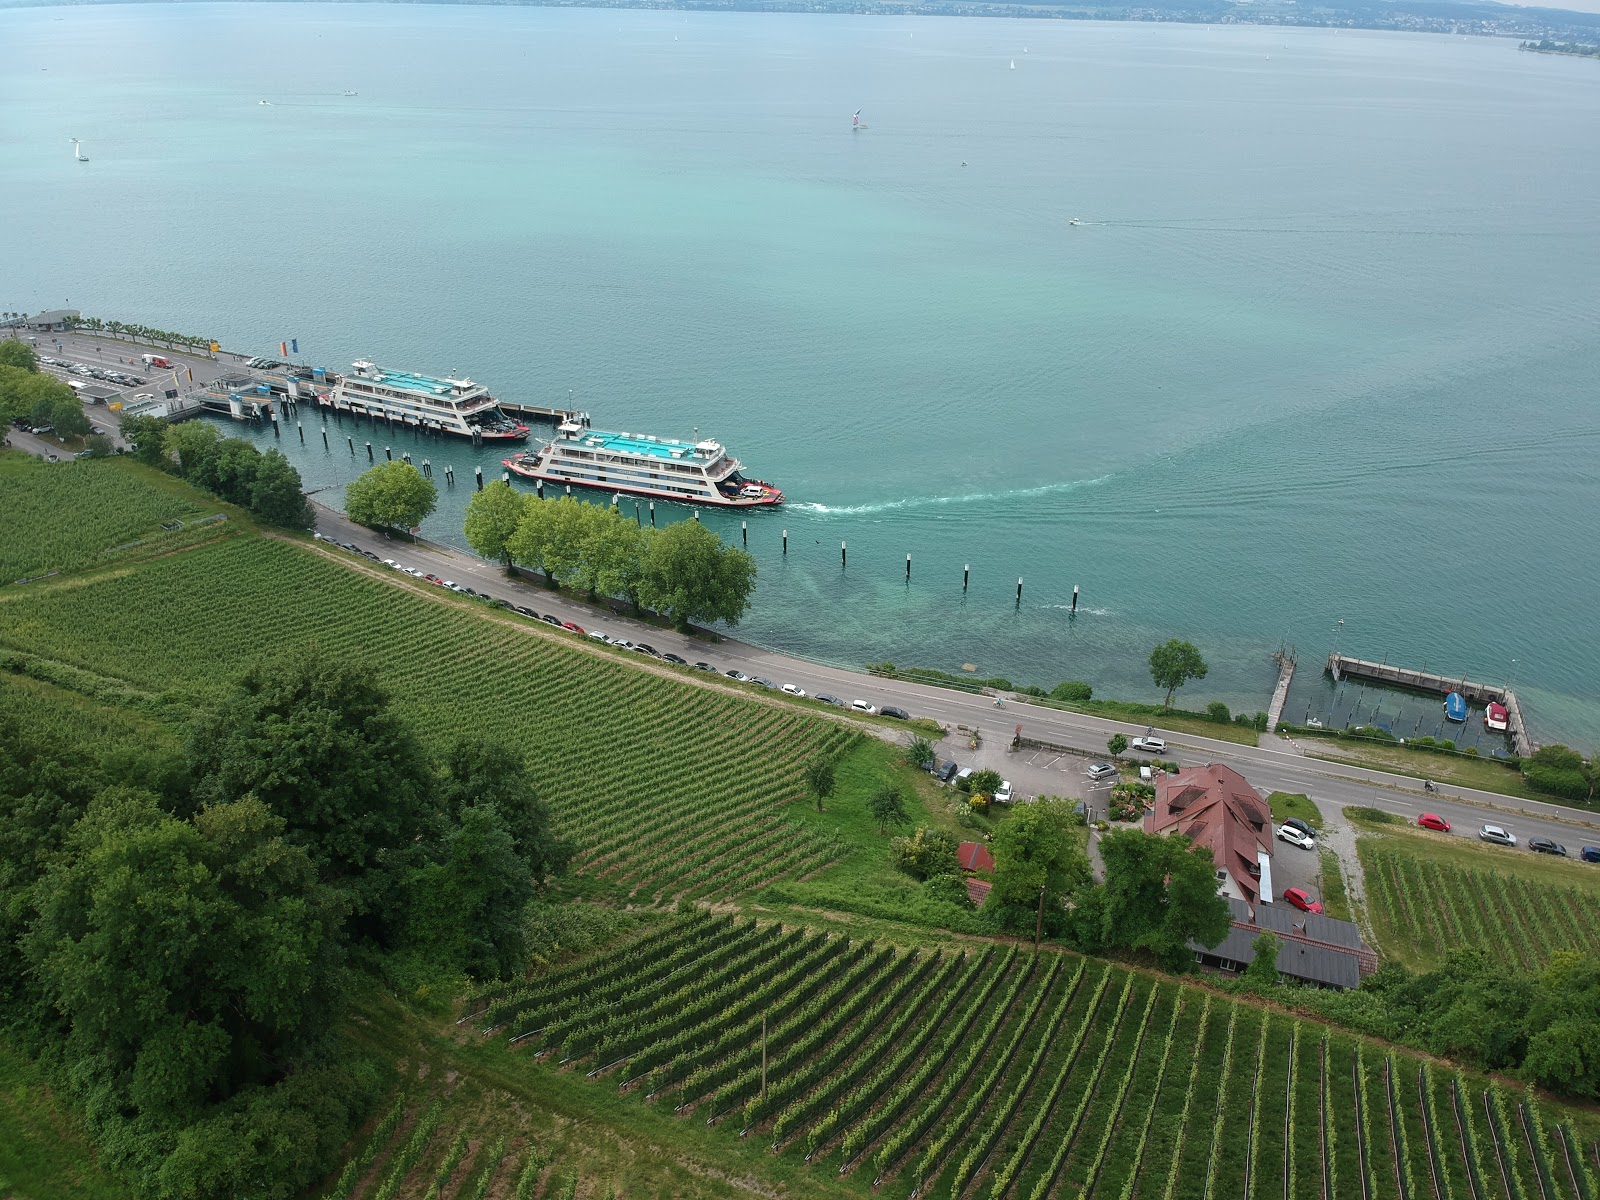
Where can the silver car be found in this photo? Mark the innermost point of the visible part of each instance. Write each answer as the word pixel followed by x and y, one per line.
pixel 1497 835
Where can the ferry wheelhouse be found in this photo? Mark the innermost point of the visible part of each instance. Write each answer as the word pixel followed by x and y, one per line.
pixel 641 465
pixel 457 406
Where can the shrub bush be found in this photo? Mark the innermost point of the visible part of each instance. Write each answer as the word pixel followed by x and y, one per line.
pixel 926 853
pixel 1218 711
pixel 1070 691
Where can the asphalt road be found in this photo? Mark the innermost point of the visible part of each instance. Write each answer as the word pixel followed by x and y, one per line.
pixel 1276 766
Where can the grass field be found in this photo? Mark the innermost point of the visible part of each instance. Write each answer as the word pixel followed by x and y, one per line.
pixel 986 1071
pixel 1426 892
pixel 1293 804
pixel 44 1155
pixel 1456 770
pixel 670 790
pixel 62 516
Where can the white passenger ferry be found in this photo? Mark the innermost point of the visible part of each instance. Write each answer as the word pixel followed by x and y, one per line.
pixel 641 465
pixel 457 406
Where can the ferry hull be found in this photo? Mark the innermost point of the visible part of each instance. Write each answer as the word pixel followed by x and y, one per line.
pixel 519 434
pixel 522 470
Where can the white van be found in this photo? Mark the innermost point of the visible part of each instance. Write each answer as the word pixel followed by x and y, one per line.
pixel 76 384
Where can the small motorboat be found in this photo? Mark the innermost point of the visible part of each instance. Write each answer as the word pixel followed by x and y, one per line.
pixel 1455 707
pixel 1496 718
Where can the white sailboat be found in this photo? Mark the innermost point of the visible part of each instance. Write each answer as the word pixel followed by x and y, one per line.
pixel 77 151
pixel 1013 64
pixel 856 123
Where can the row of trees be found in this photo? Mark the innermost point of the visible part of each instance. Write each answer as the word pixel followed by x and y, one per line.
pixel 177 927
pixel 232 468
pixel 144 333
pixel 27 392
pixel 682 571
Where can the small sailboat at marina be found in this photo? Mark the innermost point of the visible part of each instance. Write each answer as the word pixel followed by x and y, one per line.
pixel 1455 707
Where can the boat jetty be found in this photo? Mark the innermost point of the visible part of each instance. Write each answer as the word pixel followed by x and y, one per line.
pixel 1481 694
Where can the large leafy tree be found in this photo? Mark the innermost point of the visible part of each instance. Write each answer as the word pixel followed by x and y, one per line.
pixel 689 575
pixel 391 495
pixel 617 548
pixel 314 740
pixel 534 538
pixel 887 807
pixel 492 518
pixel 1173 664
pixel 147 436
pixel 235 471
pixel 196 445
pixel 482 773
pixel 275 496
pixel 1037 848
pixel 189 958
pixel 18 354
pixel 1159 893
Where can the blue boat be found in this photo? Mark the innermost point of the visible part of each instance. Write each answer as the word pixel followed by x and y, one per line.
pixel 1455 707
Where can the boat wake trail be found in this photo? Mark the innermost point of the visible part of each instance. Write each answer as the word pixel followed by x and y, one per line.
pixel 914 502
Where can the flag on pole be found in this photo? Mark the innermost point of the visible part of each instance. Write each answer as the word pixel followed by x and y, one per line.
pixel 294 345
pixel 283 349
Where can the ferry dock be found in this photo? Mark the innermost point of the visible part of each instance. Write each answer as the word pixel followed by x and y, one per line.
pixel 1341 667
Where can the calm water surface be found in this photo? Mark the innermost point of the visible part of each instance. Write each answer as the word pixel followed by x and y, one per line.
pixel 1323 346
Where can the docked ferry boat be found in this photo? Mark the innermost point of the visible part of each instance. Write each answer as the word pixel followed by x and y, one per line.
pixel 457 406
pixel 641 465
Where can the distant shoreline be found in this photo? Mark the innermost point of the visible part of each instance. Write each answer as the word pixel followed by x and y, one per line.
pixel 1474 18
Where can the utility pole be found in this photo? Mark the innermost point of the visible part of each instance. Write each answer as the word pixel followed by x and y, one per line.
pixel 763 1056
pixel 1038 924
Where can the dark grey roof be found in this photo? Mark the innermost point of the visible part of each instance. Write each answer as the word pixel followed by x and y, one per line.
pixel 1323 951
pixel 1326 965
pixel 1281 918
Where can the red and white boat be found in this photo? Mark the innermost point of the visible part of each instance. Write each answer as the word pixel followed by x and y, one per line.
pixel 638 464
pixel 1496 718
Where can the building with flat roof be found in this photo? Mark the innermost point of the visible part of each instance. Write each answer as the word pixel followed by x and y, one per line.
pixel 1215 806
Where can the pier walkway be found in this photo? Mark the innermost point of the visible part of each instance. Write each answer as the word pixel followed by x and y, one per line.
pixel 1280 694
pixel 1522 745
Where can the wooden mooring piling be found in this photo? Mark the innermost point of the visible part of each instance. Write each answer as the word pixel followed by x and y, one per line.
pixel 1342 667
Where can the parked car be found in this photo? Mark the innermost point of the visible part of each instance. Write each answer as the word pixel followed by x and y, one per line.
pixel 623 644
pixel 1590 854
pixel 794 689
pixel 572 625
pixel 863 706
pixel 598 636
pixel 673 658
pixel 1296 837
pixel 889 710
pixel 1002 794
pixel 549 620
pixel 1546 846
pixel 1493 833
pixel 1302 900
pixel 829 698
pixel 737 676
pixel 1150 745
pixel 527 612
pixel 1101 770
pixel 1297 823
pixel 1434 822
pixel 705 666
pixel 650 650
pixel 944 771
pixel 763 681
pixel 432 578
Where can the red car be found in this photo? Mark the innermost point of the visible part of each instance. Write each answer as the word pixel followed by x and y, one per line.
pixel 1302 900
pixel 1433 821
pixel 572 626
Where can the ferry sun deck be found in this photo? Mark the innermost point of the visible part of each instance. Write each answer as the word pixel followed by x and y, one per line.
pixel 638 464
pixel 457 406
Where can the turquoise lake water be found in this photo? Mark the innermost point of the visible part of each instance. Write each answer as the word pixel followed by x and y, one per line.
pixel 1323 346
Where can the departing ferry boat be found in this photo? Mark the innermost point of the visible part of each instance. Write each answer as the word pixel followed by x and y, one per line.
pixel 457 406
pixel 640 465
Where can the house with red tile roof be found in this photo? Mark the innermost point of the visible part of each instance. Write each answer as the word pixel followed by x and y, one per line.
pixel 1215 806
pixel 974 856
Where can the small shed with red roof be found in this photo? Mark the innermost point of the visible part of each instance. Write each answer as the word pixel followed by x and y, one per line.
pixel 974 856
